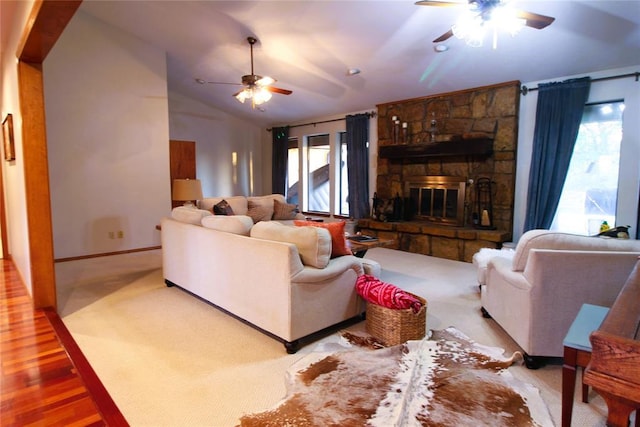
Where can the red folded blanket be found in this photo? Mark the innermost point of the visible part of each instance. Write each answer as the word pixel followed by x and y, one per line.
pixel 375 291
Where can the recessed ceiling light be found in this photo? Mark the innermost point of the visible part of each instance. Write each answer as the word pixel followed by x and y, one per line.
pixel 353 71
pixel 441 48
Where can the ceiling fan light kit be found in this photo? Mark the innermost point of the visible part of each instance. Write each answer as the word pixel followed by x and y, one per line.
pixel 496 15
pixel 473 27
pixel 258 95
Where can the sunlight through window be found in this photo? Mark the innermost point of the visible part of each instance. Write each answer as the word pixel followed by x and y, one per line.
pixel 589 195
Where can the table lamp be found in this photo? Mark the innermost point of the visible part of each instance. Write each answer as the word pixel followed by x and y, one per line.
pixel 187 190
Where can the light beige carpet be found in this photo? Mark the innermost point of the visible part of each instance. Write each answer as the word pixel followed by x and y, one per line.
pixel 169 359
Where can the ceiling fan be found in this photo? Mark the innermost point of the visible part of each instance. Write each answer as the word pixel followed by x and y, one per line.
pixel 257 88
pixel 484 11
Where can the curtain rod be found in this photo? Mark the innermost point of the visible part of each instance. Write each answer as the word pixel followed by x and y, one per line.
pixel 526 90
pixel 371 114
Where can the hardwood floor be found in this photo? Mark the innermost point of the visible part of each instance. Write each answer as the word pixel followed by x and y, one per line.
pixel 45 378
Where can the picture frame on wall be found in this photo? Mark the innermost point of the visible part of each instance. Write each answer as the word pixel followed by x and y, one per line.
pixel 7 137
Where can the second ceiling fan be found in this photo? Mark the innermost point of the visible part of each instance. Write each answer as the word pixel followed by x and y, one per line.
pixel 485 10
pixel 257 88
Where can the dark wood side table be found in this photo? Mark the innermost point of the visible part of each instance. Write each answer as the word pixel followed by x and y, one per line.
pixel 360 248
pixel 577 353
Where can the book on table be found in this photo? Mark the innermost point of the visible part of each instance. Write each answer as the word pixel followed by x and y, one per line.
pixel 362 238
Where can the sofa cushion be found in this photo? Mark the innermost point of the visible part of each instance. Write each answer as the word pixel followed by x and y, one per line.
pixel 284 211
pixel 336 230
pixel 189 215
pixel 237 203
pixel 222 208
pixel 236 224
pixel 259 212
pixel 546 239
pixel 313 243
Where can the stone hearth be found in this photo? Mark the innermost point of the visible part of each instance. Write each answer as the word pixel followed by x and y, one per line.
pixel 455 243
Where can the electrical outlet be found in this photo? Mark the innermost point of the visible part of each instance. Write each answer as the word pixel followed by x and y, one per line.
pixel 111 235
pixel 120 234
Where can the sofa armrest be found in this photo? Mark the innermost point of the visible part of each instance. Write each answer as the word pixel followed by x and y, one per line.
pixel 336 267
pixel 501 267
pixel 371 267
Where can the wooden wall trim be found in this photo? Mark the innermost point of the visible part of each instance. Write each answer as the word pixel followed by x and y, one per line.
pixel 46 23
pixel 36 182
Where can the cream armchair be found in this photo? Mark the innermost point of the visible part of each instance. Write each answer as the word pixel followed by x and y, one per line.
pixel 535 294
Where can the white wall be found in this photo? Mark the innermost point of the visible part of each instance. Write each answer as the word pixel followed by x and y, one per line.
pixel 629 180
pixel 107 135
pixel 218 135
pixel 14 16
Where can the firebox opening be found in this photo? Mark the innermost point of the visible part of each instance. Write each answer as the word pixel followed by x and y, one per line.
pixel 438 199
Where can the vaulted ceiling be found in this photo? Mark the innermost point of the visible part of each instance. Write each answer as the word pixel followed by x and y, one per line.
pixel 309 47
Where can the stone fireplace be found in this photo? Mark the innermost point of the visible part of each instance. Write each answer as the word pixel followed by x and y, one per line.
pixel 475 136
pixel 437 199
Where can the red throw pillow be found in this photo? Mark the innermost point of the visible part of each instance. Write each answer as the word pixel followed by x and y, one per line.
pixel 336 229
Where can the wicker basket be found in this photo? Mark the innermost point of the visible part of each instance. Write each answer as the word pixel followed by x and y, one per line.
pixel 394 327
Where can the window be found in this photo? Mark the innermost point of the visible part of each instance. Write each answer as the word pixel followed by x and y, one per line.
pixel 320 161
pixel 293 167
pixel 589 195
pixel 318 164
pixel 343 185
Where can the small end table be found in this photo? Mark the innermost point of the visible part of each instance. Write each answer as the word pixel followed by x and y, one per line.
pixel 359 249
pixel 577 353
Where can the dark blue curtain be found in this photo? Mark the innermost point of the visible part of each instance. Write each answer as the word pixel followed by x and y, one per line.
pixel 280 138
pixel 558 116
pixel 358 165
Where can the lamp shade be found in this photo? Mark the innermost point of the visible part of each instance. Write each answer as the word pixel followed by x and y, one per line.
pixel 187 189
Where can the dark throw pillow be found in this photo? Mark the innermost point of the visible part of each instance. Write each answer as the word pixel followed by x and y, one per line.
pixel 257 212
pixel 284 210
pixel 222 208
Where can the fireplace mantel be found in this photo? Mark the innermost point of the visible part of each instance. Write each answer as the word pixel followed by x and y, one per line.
pixel 463 147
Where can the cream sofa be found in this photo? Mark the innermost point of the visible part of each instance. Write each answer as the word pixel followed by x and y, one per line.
pixel 535 292
pixel 278 278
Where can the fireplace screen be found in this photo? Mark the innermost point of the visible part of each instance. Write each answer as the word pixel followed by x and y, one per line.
pixel 437 199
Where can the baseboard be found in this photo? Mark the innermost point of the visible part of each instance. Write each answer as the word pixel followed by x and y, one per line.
pixel 128 251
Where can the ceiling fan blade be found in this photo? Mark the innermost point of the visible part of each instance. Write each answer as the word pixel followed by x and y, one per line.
pixel 224 83
pixel 535 20
pixel 444 37
pixel 278 90
pixel 445 3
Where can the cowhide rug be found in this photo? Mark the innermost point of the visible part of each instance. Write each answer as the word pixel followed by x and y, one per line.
pixel 446 380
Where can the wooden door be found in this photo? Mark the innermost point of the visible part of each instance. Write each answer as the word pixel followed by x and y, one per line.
pixel 182 161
